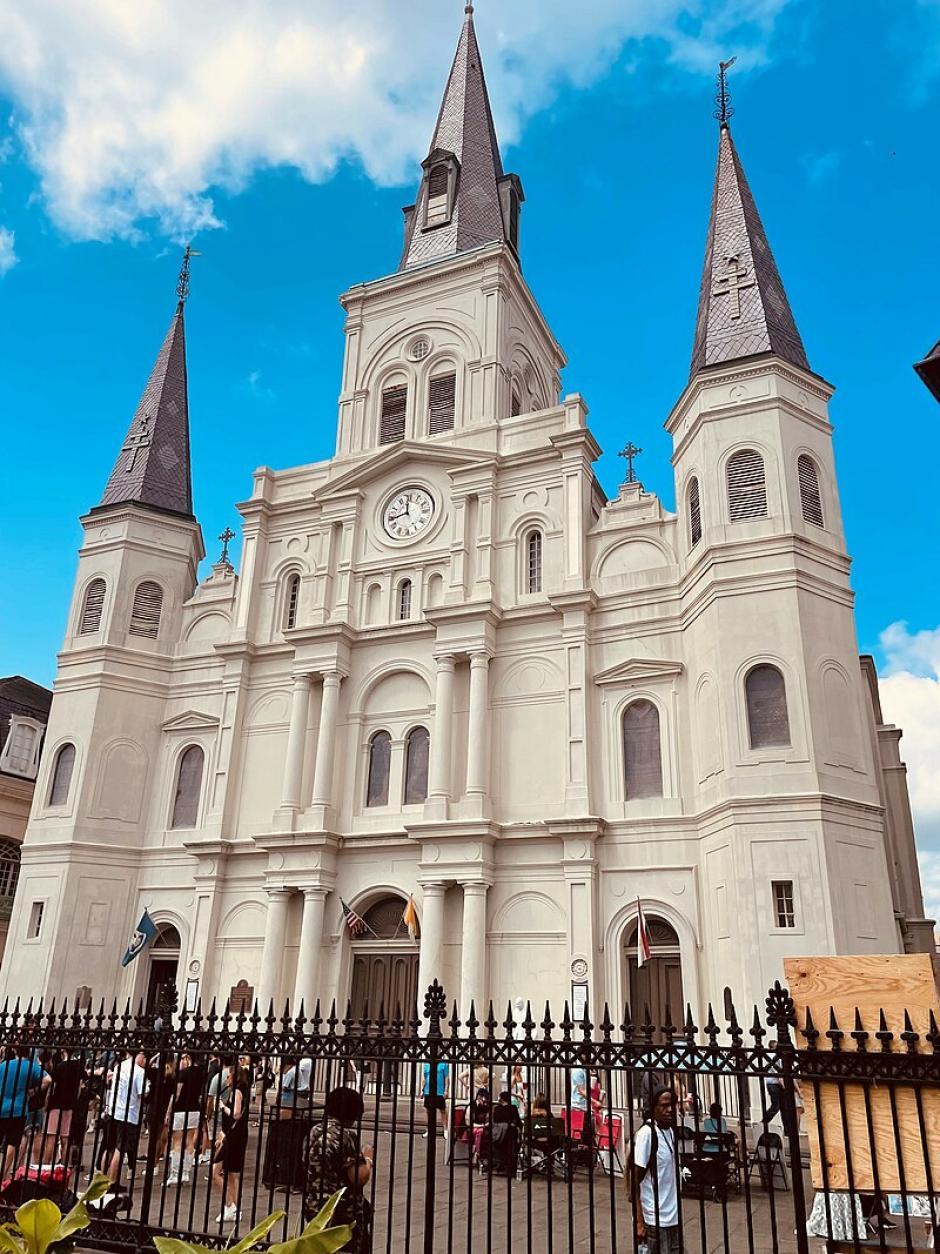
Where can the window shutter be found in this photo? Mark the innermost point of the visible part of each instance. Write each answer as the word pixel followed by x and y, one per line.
pixel 91 610
pixel 695 514
pixel 642 753
pixel 394 402
pixel 767 719
pixel 145 615
pixel 810 499
pixel 442 393
pixel 188 786
pixel 62 776
pixel 437 180
pixel 747 490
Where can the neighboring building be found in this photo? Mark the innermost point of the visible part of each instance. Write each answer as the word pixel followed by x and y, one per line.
pixel 24 712
pixel 450 667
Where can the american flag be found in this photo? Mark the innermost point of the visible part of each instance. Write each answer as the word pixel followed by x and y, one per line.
pixel 354 922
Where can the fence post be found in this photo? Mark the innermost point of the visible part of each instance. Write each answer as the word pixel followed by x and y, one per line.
pixel 435 1008
pixel 781 1016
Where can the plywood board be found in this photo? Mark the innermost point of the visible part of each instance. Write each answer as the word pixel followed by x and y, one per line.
pixel 876 1126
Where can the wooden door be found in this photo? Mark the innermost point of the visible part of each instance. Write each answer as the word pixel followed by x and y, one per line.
pixel 386 980
pixel 658 985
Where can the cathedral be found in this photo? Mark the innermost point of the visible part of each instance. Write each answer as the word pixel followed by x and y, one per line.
pixel 451 671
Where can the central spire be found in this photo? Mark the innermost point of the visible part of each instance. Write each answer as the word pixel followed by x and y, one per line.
pixel 465 200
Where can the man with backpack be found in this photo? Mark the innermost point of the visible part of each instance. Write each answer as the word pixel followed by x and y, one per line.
pixel 655 1193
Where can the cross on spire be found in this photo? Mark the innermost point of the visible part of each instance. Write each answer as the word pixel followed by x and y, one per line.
pixel 137 439
pixel 735 279
pixel 628 453
pixel 227 536
pixel 723 110
pixel 182 283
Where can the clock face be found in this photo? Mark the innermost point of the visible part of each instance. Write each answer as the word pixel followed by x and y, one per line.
pixel 408 513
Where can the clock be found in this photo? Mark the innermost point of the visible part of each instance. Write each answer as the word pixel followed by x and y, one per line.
pixel 408 513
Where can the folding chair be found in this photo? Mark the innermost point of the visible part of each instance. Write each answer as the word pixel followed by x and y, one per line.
pixel 767 1157
pixel 609 1132
pixel 459 1149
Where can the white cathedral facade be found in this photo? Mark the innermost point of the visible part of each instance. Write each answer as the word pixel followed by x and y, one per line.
pixel 450 668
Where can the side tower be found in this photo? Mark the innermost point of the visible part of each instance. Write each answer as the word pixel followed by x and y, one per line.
pixel 795 855
pixel 136 567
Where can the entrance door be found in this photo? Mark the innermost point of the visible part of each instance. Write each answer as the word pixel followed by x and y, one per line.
pixel 658 983
pixel 164 965
pixel 388 980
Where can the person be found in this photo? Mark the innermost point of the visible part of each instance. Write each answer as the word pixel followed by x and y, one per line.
pixel 161 1083
pixel 336 1161
pixel 518 1087
pixel 22 1079
pixel 67 1079
pixel 232 1141
pixel 505 1131
pixel 714 1126
pixel 441 1091
pixel 186 1109
pixel 126 1086
pixel 580 1094
pixel 654 1181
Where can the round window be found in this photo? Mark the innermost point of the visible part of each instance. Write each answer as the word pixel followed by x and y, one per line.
pixel 420 349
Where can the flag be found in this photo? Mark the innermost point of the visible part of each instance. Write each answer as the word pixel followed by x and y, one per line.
pixel 643 951
pixel 146 930
pixel 410 918
pixel 355 924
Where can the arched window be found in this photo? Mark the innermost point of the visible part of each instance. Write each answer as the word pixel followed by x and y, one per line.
pixel 380 760
pixel 515 401
pixel 9 868
pixel 442 403
pixel 62 775
pixel 291 601
pixel 145 613
pixel 403 609
pixel 417 749
pixel 810 500
pixel 768 724
pixel 642 753
pixel 188 787
pixel 533 562
pixel 394 408
pixel 747 489
pixel 91 608
pixel 695 514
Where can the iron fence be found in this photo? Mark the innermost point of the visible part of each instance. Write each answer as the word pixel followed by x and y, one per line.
pixel 477 1136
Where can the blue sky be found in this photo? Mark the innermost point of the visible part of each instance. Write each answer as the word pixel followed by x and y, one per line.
pixel 304 164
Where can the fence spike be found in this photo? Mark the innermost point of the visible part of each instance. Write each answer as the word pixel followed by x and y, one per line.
pixel 810 1031
pixel 835 1033
pixel 547 1022
pixel 859 1035
pixel 491 1023
pixel 528 1023
pixel 883 1035
pixel 566 1024
pixel 607 1024
pixel 472 1021
pixel 933 1036
pixel 690 1028
pixel 454 1022
pixel 317 1019
pixel 626 1026
pixel 909 1036
pixel 509 1022
pixel 711 1027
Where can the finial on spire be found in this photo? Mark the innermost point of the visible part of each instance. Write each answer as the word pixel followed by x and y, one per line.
pixel 226 537
pixel 182 283
pixel 468 10
pixel 723 97
pixel 628 454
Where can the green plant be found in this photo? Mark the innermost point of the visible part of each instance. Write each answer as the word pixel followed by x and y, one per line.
pixel 315 1238
pixel 40 1226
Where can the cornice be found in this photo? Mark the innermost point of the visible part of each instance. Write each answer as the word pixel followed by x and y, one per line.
pixel 639 670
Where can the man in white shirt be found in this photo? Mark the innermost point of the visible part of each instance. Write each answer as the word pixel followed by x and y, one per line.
pixel 126 1085
pixel 655 1185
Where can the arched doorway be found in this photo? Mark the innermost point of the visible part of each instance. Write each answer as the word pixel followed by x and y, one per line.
pixel 385 963
pixel 164 966
pixel 658 983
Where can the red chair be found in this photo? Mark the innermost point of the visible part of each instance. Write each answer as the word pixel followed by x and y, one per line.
pixel 609 1132
pixel 460 1148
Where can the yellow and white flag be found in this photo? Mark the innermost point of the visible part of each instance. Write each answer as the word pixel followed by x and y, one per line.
pixel 410 918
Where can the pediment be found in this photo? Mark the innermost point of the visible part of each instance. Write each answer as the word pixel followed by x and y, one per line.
pixel 402 452
pixel 191 720
pixel 638 670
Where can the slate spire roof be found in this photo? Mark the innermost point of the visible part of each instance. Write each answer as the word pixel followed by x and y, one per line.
pixel 480 199
pixel 743 308
pixel 929 370
pixel 152 467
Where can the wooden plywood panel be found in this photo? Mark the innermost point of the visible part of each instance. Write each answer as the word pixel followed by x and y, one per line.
pixel 876 1125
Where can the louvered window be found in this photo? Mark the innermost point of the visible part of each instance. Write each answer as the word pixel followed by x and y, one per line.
pixel 642 753
pixel 417 749
pixel 188 787
pixel 514 220
pixel 442 393
pixel 291 601
pixel 437 180
pixel 62 776
pixel 9 867
pixel 91 609
pixel 695 514
pixel 21 752
pixel 145 615
pixel 394 402
pixel 747 490
pixel 380 761
pixel 404 600
pixel 810 499
pixel 533 557
pixel 768 723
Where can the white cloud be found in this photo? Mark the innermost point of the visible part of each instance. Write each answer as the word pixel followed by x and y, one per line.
pixel 910 697
pixel 257 390
pixel 133 113
pixel 8 256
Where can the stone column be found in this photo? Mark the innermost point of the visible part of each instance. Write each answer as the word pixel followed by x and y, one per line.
pixel 306 984
pixel 322 798
pixel 478 733
pixel 432 938
pixel 473 955
pixel 296 743
pixel 272 955
pixel 440 764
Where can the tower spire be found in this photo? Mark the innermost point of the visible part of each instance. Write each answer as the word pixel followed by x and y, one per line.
pixel 465 200
pixel 743 309
pixel 153 467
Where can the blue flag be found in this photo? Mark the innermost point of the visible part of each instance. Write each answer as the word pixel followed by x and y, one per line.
pixel 146 931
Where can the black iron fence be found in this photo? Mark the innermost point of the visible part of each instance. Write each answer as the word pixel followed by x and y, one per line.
pixel 480 1136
